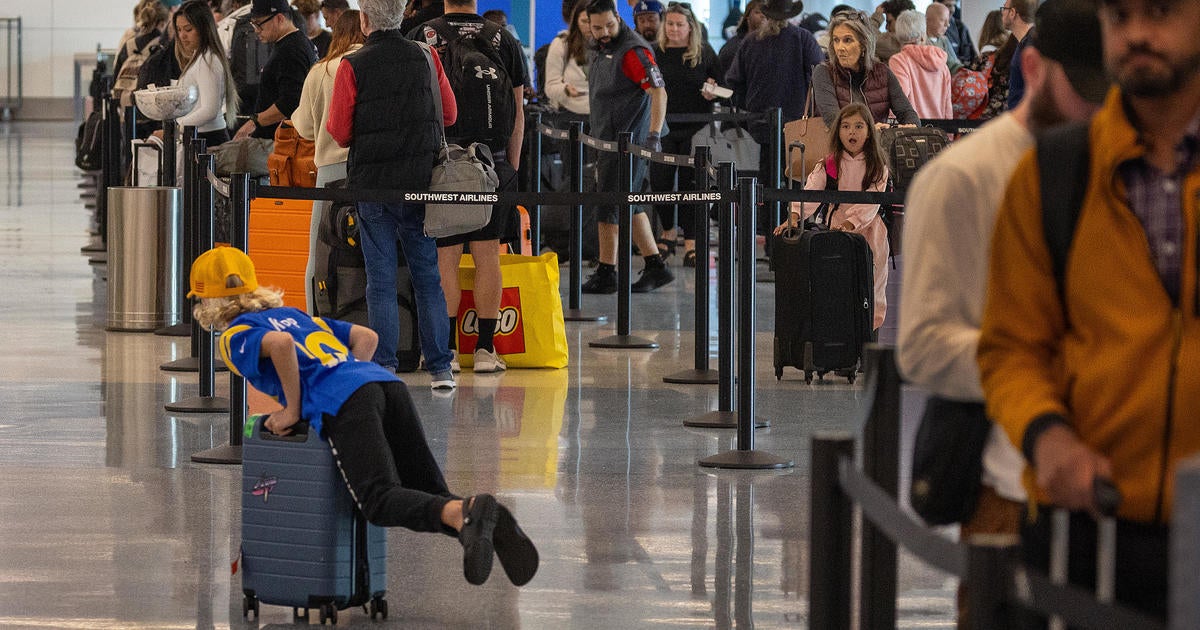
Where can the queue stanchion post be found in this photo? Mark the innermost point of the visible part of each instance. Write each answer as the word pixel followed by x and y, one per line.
pixel 771 180
pixel 990 560
pixel 725 416
pixel 831 516
pixel 535 210
pixel 166 177
pixel 206 401
pixel 231 453
pixel 99 243
pixel 128 135
pixel 574 312
pixel 700 374
pixel 745 457
pixel 624 339
pixel 881 464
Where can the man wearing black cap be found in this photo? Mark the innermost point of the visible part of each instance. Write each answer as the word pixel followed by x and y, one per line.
pixel 959 194
pixel 1088 363
pixel 283 75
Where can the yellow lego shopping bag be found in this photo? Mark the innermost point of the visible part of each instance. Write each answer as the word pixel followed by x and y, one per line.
pixel 530 332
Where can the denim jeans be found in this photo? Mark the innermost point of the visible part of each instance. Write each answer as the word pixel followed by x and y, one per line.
pixel 380 224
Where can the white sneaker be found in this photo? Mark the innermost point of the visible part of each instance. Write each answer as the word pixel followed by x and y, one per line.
pixel 443 381
pixel 488 362
pixel 454 366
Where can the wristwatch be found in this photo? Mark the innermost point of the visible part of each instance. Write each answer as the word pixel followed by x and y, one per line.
pixel 254 119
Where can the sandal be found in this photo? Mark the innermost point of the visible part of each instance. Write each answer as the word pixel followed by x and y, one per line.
pixel 689 258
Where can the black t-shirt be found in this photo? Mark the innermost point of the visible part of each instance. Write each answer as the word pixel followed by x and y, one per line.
pixel 283 78
pixel 511 54
pixel 322 42
pixel 684 83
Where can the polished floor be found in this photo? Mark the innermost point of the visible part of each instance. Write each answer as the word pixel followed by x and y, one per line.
pixel 106 523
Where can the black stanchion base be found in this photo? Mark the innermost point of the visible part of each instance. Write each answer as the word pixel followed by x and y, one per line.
pixel 765 276
pixel 693 377
pixel 578 315
pixel 624 341
pixel 191 364
pixel 99 259
pixel 746 460
pixel 96 245
pixel 722 420
pixel 226 454
pixel 176 330
pixel 199 404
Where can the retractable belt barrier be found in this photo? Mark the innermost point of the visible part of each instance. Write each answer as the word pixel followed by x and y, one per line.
pixel 838 484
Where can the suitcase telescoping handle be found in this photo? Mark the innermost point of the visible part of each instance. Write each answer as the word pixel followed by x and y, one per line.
pixel 1107 498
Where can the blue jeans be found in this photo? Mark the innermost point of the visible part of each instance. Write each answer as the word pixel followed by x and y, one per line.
pixel 380 224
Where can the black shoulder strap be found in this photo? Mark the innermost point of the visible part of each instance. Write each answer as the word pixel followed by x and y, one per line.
pixel 1063 162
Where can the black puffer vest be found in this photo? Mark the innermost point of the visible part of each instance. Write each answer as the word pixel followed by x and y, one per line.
pixel 396 129
pixel 618 104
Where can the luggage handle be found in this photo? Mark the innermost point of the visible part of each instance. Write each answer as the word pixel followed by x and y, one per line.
pixel 1107 499
pixel 299 432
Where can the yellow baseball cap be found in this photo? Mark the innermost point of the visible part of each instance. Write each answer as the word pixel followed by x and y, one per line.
pixel 212 270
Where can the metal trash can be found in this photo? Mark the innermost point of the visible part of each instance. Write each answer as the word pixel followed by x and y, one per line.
pixel 143 247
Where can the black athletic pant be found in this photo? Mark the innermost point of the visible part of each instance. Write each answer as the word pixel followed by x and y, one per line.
pixel 663 179
pixel 380 448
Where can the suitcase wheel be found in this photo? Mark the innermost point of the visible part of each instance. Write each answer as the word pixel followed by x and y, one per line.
pixel 328 612
pixel 298 616
pixel 378 607
pixel 249 604
pixel 779 373
pixel 808 377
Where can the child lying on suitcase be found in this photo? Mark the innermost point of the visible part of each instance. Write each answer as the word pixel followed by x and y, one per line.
pixel 321 371
pixel 855 162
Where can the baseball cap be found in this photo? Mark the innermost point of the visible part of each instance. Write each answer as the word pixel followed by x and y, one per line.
pixel 212 270
pixel 648 6
pixel 1068 31
pixel 263 8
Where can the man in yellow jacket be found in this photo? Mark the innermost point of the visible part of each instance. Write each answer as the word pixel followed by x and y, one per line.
pixel 1099 379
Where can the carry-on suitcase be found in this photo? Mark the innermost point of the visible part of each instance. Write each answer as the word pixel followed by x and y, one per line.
pixel 304 542
pixel 278 245
pixel 1108 499
pixel 824 301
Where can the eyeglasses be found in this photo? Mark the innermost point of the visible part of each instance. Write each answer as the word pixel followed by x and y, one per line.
pixel 258 26
pixel 1006 8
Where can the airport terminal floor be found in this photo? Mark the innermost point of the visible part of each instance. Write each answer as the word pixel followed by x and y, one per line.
pixel 106 523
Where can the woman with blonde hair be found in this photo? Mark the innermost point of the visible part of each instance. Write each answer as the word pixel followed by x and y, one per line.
pixel 204 64
pixel 687 63
pixel 310 117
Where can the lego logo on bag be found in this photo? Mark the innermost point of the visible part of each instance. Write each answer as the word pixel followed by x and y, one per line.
pixel 506 324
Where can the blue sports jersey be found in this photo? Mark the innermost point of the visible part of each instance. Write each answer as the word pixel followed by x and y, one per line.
pixel 329 373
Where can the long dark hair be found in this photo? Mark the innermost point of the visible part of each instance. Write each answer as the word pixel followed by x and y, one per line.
pixel 872 151
pixel 200 16
pixel 577 39
pixel 347 33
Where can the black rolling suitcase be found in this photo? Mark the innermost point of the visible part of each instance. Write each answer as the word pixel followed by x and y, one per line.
pixel 824 301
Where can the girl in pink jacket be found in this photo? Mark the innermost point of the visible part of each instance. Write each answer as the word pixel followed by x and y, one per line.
pixel 856 162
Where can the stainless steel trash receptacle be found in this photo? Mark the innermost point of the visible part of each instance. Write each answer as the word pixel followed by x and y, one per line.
pixel 143 244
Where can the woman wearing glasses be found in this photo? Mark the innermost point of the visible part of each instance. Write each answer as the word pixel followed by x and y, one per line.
pixel 853 75
pixel 687 63
pixel 567 64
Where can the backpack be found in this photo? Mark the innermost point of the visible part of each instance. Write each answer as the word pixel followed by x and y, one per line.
pixel 88 142
pixel 247 57
pixel 969 93
pixel 481 84
pixel 125 83
pixel 1062 156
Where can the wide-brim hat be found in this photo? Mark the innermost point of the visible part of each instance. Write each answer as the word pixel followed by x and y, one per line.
pixel 782 9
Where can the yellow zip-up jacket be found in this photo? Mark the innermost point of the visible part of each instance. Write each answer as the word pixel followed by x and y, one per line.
pixel 1124 371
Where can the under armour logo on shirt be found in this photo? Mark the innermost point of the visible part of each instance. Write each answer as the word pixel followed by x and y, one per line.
pixel 481 72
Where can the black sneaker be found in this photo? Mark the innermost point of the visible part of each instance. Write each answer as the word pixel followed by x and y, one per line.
pixel 480 514
pixel 600 283
pixel 651 279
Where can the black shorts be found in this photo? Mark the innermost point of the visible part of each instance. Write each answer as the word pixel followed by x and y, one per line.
pixel 498 226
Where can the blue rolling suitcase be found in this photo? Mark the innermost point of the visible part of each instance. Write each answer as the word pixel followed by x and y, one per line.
pixel 304 542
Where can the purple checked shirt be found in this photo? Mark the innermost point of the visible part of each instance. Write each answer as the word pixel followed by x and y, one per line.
pixel 1156 197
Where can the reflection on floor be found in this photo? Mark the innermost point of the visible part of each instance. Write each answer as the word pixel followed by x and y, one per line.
pixel 106 523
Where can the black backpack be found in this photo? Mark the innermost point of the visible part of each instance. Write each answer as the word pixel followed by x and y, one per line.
pixel 481 84
pixel 247 57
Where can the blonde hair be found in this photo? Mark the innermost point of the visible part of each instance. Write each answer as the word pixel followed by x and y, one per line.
pixel 217 313
pixel 692 55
